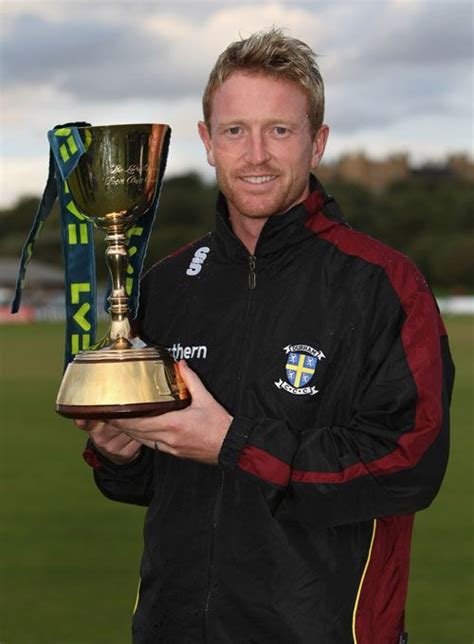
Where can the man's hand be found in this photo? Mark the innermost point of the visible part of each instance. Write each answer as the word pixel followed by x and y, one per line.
pixel 110 442
pixel 196 432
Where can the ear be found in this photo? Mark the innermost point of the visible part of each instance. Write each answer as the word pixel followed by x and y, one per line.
pixel 319 145
pixel 206 139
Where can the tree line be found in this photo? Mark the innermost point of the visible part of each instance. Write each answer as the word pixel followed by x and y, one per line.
pixel 429 218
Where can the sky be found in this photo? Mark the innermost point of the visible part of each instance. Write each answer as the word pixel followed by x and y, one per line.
pixel 398 73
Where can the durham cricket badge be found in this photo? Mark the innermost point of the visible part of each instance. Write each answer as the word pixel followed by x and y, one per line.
pixel 300 367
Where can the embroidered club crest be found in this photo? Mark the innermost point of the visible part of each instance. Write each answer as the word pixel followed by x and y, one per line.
pixel 301 363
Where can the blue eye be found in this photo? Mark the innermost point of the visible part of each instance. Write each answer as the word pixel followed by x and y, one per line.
pixel 234 130
pixel 280 130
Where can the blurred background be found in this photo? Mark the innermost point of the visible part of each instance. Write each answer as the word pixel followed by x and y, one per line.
pixel 398 77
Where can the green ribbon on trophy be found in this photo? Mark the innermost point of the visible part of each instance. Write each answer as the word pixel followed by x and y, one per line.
pixel 77 232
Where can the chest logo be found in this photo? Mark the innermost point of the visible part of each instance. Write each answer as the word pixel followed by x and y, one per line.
pixel 198 260
pixel 300 367
pixel 188 353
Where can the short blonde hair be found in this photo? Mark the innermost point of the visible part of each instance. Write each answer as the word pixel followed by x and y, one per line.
pixel 273 54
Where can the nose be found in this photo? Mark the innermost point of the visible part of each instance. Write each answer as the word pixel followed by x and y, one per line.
pixel 256 151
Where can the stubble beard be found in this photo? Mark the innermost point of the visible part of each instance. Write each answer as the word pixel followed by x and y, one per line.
pixel 246 205
pixel 280 202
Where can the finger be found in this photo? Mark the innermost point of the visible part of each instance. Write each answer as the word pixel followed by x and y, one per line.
pixel 130 449
pixel 108 441
pixel 116 442
pixel 149 443
pixel 103 433
pixel 152 434
pixel 118 445
pixel 126 450
pixel 87 424
pixel 122 454
pixel 192 380
pixel 132 426
pixel 159 446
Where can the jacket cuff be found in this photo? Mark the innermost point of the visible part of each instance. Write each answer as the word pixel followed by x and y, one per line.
pixel 98 461
pixel 234 442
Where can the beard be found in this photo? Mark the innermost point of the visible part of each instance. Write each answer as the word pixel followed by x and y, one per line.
pixel 275 197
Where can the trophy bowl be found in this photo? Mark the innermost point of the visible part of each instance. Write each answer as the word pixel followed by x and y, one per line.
pixel 115 183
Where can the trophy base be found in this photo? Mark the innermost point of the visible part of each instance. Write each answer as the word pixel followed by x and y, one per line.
pixel 113 383
pixel 102 412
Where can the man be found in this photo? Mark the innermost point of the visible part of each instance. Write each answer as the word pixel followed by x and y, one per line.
pixel 281 501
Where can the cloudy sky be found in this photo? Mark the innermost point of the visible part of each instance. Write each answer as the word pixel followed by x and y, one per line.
pixel 398 73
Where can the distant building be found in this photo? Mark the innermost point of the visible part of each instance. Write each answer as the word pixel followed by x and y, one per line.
pixel 44 291
pixel 376 176
pixel 461 166
pixel 40 276
pixel 43 296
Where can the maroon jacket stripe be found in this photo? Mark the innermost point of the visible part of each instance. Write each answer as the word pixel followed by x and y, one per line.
pixel 428 416
pixel 262 464
pixel 413 444
pixel 379 610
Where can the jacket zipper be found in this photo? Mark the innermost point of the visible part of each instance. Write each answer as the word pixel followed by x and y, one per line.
pixel 252 272
pixel 252 283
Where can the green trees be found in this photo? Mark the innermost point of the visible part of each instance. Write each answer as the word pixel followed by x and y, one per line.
pixel 430 218
pixel 186 212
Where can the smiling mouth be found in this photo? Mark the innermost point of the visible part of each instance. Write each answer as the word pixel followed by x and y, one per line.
pixel 258 179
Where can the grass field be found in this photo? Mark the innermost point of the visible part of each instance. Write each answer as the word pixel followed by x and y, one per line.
pixel 70 557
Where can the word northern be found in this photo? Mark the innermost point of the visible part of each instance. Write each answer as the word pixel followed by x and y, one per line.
pixel 188 353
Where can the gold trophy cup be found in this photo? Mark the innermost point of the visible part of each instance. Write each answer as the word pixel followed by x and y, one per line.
pixel 114 184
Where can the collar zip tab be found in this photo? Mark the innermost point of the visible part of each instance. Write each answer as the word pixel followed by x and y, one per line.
pixel 252 272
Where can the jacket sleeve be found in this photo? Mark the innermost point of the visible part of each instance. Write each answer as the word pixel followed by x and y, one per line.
pixel 128 483
pixel 388 459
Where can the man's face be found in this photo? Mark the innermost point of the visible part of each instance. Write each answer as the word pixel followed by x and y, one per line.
pixel 261 145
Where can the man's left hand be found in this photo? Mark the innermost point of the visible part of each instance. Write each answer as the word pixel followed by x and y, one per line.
pixel 196 432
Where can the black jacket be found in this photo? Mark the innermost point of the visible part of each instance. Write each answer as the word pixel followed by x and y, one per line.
pixel 328 349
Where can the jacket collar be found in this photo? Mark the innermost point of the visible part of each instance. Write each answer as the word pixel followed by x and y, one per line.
pixel 279 232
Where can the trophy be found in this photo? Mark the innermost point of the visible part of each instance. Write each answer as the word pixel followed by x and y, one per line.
pixel 115 183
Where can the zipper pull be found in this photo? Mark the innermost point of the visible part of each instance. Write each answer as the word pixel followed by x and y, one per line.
pixel 252 272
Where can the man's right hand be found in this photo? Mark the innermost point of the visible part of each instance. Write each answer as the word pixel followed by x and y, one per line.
pixel 110 442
